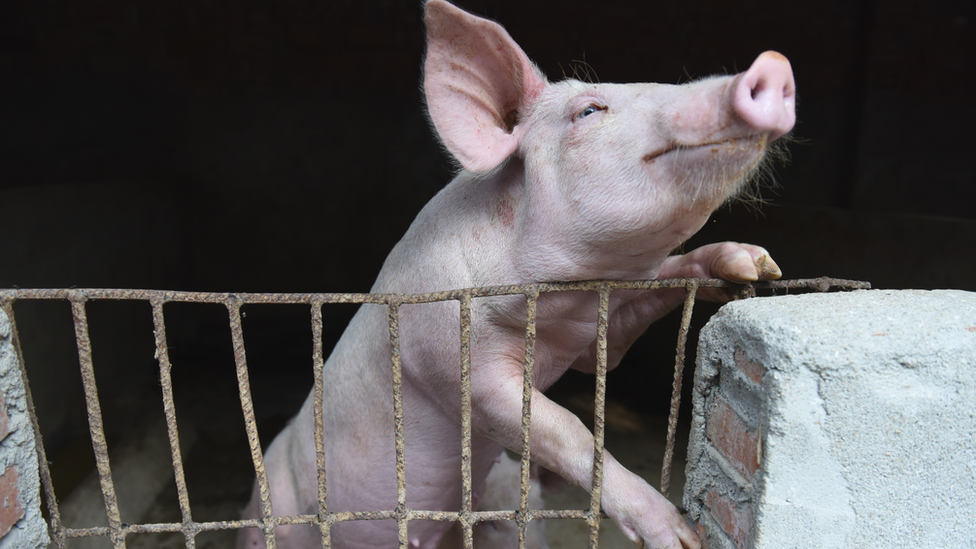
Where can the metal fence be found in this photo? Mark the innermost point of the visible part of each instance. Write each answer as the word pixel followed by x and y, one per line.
pixel 116 530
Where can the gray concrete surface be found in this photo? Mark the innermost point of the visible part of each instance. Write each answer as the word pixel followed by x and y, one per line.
pixel 867 415
pixel 17 451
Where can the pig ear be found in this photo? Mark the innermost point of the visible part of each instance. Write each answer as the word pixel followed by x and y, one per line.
pixel 476 80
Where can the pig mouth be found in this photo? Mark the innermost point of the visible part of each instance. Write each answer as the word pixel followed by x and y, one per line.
pixel 728 146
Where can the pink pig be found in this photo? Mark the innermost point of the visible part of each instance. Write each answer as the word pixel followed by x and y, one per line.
pixel 560 181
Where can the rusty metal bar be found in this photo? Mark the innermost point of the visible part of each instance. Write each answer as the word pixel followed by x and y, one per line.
pixel 467 501
pixel 324 520
pixel 402 512
pixel 814 284
pixel 268 522
pixel 679 368
pixel 169 408
pixel 595 516
pixel 318 373
pixel 442 516
pixel 95 426
pixel 56 529
pixel 531 304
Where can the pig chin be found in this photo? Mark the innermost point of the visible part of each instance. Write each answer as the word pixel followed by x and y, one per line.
pixel 707 175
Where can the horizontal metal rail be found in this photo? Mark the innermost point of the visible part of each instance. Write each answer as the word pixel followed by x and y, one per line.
pixel 116 531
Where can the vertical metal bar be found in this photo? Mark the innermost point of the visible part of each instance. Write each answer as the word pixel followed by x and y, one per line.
pixel 95 425
pixel 599 404
pixel 467 502
pixel 532 299
pixel 250 423
pixel 56 527
pixel 169 408
pixel 679 367
pixel 318 365
pixel 394 320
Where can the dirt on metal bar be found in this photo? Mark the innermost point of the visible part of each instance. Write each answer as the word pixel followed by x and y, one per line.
pixel 531 303
pixel 679 368
pixel 467 499
pixel 188 529
pixel 56 529
pixel 269 521
pixel 95 425
pixel 318 364
pixel 595 515
pixel 402 511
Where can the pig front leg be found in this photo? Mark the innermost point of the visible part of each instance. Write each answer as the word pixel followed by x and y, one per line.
pixel 730 261
pixel 561 443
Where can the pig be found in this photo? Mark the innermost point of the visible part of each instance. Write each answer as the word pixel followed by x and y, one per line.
pixel 501 492
pixel 559 181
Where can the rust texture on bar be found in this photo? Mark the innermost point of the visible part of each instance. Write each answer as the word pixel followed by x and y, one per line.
pixel 56 529
pixel 531 303
pixel 467 501
pixel 188 529
pixel 402 512
pixel 269 522
pixel 816 284
pixel 595 515
pixel 95 426
pixel 679 368
pixel 116 531
pixel 318 365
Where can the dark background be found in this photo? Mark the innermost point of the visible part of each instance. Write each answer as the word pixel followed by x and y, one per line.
pixel 281 146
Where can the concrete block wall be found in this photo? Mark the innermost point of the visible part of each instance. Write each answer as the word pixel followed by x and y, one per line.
pixel 21 523
pixel 836 420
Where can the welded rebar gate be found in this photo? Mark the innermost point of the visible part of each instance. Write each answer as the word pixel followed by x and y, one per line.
pixel 116 531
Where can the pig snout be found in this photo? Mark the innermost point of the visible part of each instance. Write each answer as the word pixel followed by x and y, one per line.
pixel 765 95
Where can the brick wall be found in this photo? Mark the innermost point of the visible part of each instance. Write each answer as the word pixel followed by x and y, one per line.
pixel 731 447
pixel 839 420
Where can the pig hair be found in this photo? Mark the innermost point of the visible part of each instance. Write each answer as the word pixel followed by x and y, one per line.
pixel 748 180
pixel 763 176
pixel 582 71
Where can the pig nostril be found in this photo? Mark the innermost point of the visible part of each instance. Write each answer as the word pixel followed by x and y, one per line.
pixel 764 97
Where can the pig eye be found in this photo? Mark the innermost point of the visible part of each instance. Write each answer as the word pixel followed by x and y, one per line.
pixel 591 109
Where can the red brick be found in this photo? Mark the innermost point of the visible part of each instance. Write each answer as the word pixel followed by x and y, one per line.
pixel 735 519
pixel 753 370
pixel 732 439
pixel 10 510
pixel 701 535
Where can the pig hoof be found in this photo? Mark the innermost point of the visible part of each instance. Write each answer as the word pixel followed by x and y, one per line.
pixel 768 269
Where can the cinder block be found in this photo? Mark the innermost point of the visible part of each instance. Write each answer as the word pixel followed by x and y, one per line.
pixel 837 420
pixel 21 523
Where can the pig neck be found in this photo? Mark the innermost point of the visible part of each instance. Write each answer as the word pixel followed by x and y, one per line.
pixel 544 237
